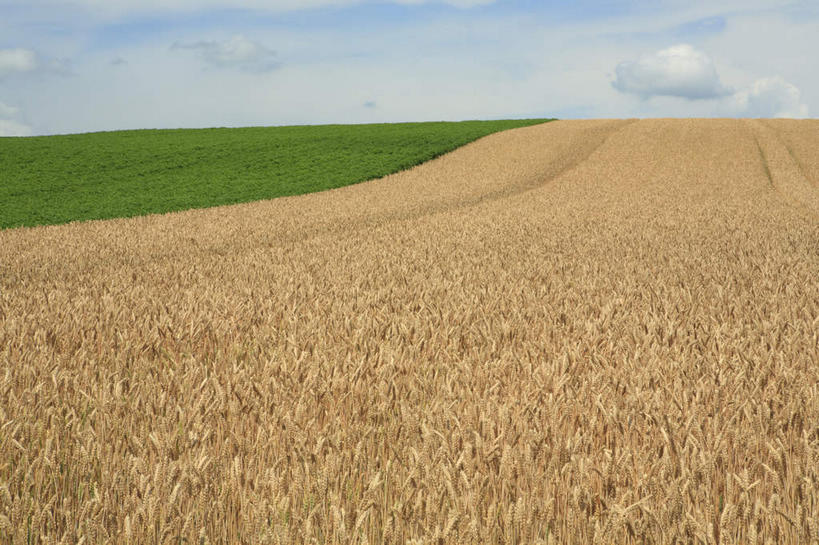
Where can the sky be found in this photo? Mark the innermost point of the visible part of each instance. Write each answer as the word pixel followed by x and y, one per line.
pixel 69 66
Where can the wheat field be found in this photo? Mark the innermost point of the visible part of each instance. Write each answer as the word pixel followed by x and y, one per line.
pixel 578 332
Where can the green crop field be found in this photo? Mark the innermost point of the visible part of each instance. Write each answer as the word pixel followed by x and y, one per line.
pixel 58 179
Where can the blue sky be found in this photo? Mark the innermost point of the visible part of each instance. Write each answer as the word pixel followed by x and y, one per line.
pixel 86 65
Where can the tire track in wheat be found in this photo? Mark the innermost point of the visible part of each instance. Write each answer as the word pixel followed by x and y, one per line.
pixel 792 134
pixel 786 173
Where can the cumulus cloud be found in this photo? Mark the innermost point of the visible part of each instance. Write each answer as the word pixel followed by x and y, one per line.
pixel 770 97
pixel 679 71
pixel 684 72
pixel 237 52
pixel 17 60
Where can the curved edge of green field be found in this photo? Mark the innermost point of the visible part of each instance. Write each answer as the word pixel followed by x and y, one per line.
pixel 51 180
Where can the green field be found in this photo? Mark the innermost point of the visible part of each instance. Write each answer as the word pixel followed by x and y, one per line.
pixel 58 179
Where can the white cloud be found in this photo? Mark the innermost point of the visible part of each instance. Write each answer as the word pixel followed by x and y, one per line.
pixel 459 64
pixel 237 52
pixel 770 97
pixel 9 127
pixel 7 111
pixel 685 72
pixel 17 60
pixel 26 61
pixel 13 128
pixel 679 71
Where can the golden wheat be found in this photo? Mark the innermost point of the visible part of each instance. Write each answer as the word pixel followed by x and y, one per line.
pixel 580 332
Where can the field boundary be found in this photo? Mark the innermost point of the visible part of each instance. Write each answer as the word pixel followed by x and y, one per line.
pixel 63 179
pixel 557 168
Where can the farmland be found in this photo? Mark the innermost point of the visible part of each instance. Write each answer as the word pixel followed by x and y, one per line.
pixel 576 332
pixel 58 179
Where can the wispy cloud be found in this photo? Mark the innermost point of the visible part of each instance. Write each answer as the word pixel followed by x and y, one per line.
pixel 20 61
pixel 238 52
pixel 10 127
pixel 118 10
pixel 7 111
pixel 17 60
pixel 463 4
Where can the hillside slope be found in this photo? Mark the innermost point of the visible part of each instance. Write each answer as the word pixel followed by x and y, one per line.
pixel 576 332
pixel 58 179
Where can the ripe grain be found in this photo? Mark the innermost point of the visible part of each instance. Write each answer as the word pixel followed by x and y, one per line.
pixel 575 332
